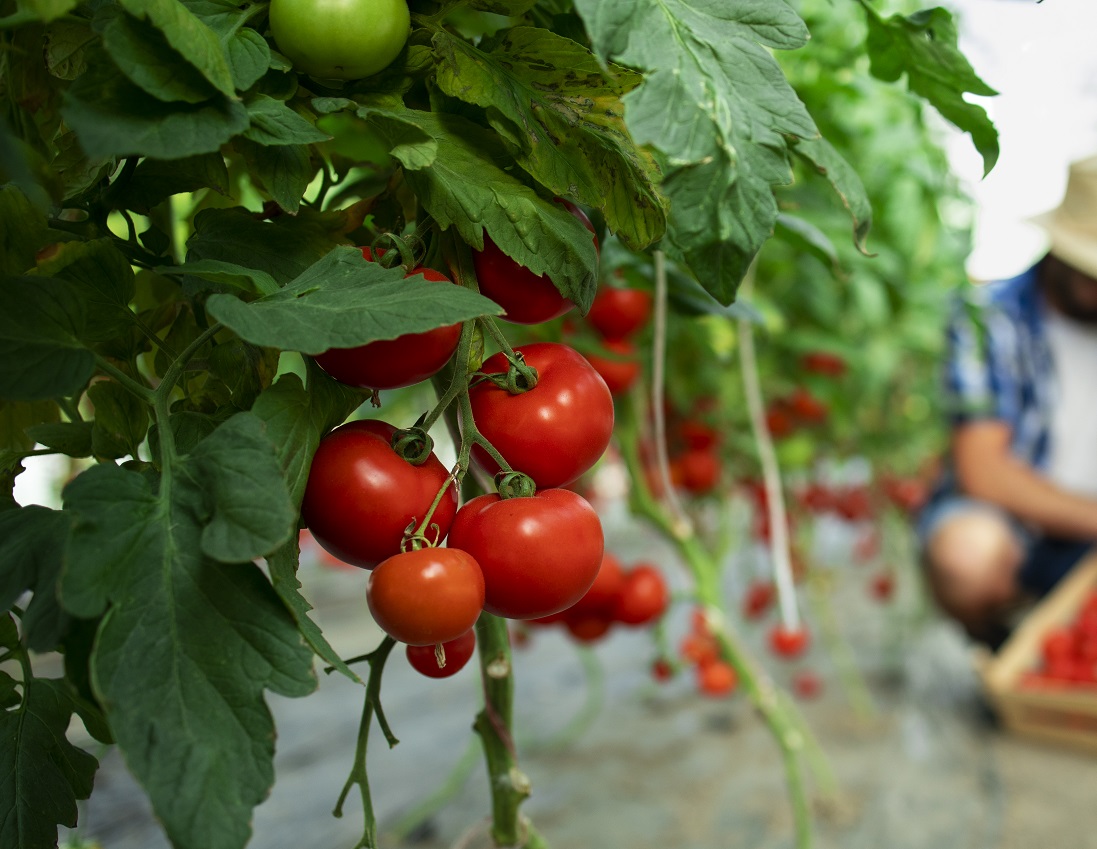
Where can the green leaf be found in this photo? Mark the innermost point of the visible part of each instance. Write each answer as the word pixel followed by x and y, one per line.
pixel 504 7
pixel 844 180
pixel 143 54
pixel 113 117
pixel 247 280
pixel 274 123
pixel 66 47
pixel 42 773
pixel 101 279
pixel 121 420
pixel 22 231
pixel 9 695
pixel 32 541
pixel 808 238
pixel 716 106
pixel 283 573
pixel 282 248
pixel 296 419
pixel 17 420
pixel 467 187
pixel 408 143
pixel 155 180
pixel 78 172
pixel 247 51
pixel 285 170
pixel 73 439
pixel 344 301
pixel 924 47
pixel 559 111
pixel 40 353
pixel 197 43
pixel 189 645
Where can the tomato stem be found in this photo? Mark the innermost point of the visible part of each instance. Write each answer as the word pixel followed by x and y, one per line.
pixel 519 377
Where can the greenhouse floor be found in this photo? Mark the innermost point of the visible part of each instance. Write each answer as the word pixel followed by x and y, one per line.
pixel 619 762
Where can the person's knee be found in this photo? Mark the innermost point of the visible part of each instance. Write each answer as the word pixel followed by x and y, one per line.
pixel 973 562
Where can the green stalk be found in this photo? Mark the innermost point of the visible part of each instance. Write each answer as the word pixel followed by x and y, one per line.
pixel 853 683
pixel 509 785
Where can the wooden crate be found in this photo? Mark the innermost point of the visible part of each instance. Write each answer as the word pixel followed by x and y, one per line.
pixel 1065 715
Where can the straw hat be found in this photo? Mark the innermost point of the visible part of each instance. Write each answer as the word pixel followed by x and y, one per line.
pixel 1071 227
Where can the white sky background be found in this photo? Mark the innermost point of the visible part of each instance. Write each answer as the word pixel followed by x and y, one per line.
pixel 1042 59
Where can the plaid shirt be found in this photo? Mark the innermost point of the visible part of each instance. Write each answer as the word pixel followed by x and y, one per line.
pixel 999 363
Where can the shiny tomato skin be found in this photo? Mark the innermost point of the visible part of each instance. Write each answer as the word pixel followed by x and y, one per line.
pixel 423 659
pixel 426 596
pixel 644 598
pixel 618 313
pixel 539 555
pixel 621 370
pixel 361 495
pixel 527 298
pixel 555 431
pixel 340 39
pixel 608 585
pixel 586 627
pixel 393 363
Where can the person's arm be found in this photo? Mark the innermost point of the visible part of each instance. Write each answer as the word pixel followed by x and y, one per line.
pixel 988 471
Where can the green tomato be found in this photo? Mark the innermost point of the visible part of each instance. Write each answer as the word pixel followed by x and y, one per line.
pixel 340 39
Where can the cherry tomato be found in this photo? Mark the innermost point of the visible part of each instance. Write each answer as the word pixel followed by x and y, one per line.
pixel 645 596
pixel 700 470
pixel 788 642
pixel 426 596
pixel 758 598
pixel 586 627
pixel 620 370
pixel 699 649
pixel 779 421
pixel 553 432
pixel 607 587
pixel 882 586
pixel 392 363
pixel 340 39
pixel 823 362
pixel 806 684
pixel 716 678
pixel 806 408
pixel 424 659
pixel 526 297
pixel 662 670
pixel 619 313
pixel 539 555
pixel 361 495
pixel 696 434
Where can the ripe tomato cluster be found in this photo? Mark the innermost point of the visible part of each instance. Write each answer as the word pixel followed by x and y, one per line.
pixel 1068 654
pixel 616 316
pixel 700 649
pixel 634 596
pixel 693 456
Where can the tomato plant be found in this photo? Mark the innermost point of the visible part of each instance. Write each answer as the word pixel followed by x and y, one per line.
pixel 361 495
pixel 336 40
pixel 539 555
pixel 788 642
pixel 525 297
pixel 553 432
pixel 456 654
pixel 426 596
pixel 393 363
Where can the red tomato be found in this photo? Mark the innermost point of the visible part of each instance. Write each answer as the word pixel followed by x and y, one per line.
pixel 882 586
pixel 699 649
pixel 779 421
pixel 392 363
pixel 424 659
pixel 716 678
pixel 787 642
pixel 823 362
pixel 426 596
pixel 539 555
pixel 618 313
pixel 805 407
pixel 361 495
pixel 696 434
pixel 607 587
pixel 526 297
pixel 622 370
pixel 758 598
pixel 586 627
pixel 806 684
pixel 644 598
pixel 700 470
pixel 553 432
pixel 853 504
pixel 661 669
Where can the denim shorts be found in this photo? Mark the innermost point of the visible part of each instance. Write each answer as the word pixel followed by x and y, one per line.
pixel 1046 558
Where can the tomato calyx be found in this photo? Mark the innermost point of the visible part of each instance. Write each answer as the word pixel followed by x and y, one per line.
pixel 515 484
pixel 518 378
pixel 413 444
